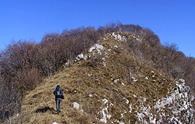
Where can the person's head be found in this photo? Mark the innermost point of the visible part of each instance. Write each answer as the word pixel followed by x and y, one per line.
pixel 58 86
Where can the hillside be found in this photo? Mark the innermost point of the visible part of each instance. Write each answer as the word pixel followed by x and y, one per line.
pixel 108 83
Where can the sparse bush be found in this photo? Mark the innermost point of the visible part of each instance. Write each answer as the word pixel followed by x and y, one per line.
pixel 24 64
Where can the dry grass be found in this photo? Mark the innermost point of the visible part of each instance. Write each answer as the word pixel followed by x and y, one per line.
pixel 82 79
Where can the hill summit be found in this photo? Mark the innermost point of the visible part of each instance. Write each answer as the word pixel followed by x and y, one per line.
pixel 108 83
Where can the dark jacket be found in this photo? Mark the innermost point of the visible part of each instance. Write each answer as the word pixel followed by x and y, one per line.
pixel 58 92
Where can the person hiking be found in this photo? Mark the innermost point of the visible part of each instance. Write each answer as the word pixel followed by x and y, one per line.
pixel 58 97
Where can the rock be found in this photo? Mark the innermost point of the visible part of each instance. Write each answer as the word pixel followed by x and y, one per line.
pixel 115 46
pixel 96 47
pixel 109 116
pixel 130 108
pixel 67 64
pixel 126 100
pixel 89 75
pixel 104 115
pixel 121 122
pixel 146 78
pixel 116 80
pixel 105 101
pixel 119 37
pixel 134 79
pixel 90 95
pixel 81 57
pixel 75 105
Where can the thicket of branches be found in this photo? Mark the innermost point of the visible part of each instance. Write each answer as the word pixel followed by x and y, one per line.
pixel 24 64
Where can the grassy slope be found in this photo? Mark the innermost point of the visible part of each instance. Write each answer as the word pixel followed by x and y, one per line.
pixel 90 77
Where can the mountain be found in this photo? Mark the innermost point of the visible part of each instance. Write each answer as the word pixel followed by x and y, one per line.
pixel 119 79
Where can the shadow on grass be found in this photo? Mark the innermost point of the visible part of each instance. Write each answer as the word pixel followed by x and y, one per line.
pixel 45 109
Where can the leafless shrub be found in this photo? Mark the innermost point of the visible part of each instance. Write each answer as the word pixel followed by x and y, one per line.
pixel 24 64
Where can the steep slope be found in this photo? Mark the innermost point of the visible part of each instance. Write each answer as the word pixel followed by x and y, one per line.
pixel 109 84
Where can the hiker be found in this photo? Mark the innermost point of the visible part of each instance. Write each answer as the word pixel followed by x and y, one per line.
pixel 58 97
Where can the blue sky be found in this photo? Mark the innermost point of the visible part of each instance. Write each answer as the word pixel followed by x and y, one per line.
pixel 172 20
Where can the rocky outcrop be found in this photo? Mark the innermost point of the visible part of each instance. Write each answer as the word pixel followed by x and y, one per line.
pixel 175 108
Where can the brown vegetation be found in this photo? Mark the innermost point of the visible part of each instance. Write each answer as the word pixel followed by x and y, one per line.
pixel 24 64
